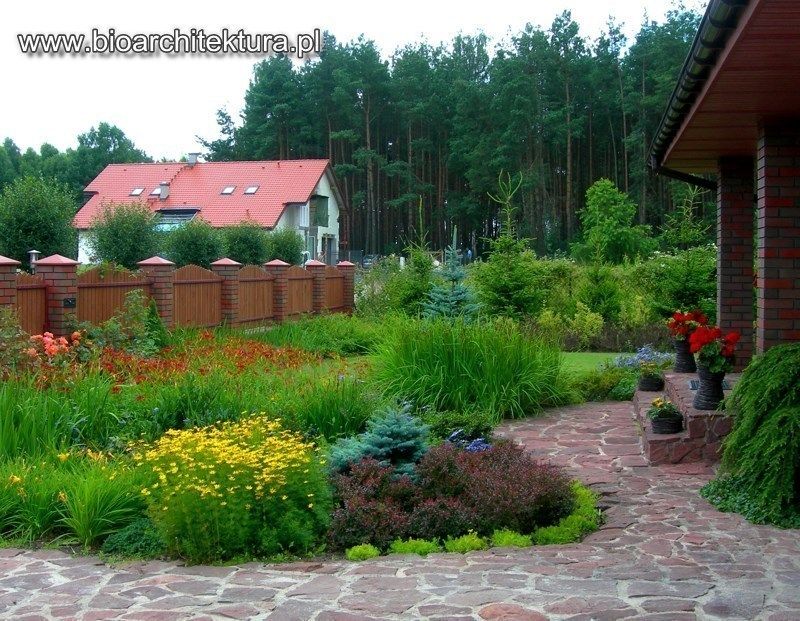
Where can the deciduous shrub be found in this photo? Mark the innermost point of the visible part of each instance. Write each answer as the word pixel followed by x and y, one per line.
pixel 466 543
pixel 248 487
pixel 489 366
pixel 125 234
pixel 247 243
pixel 286 245
pixel 510 539
pixel 194 243
pixel 421 547
pixel 584 519
pixel 762 452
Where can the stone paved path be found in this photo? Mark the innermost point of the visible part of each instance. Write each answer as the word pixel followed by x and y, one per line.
pixel 664 554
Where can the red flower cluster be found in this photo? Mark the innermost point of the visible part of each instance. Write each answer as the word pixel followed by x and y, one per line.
pixel 706 335
pixel 681 325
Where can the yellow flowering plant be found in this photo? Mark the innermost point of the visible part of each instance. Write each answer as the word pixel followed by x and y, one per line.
pixel 248 487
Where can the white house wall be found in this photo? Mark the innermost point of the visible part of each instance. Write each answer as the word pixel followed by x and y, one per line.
pixel 296 216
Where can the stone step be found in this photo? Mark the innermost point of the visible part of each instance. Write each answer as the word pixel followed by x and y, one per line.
pixel 703 430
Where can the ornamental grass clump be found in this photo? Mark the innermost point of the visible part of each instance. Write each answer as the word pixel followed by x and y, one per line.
pixel 238 488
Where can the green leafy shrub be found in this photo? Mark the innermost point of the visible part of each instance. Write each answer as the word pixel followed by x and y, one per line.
pixel 762 452
pixel 285 245
pixel 125 234
pixel 607 382
pixel 194 243
pixel 470 542
pixel 14 342
pixel 489 366
pixel 510 539
pixel 395 438
pixel 247 243
pixel 139 539
pixel 730 494
pixel 362 552
pixel 421 547
pixel 584 519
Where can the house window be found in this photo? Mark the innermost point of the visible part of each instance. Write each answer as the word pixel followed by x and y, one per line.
pixel 251 189
pixel 319 211
pixel 137 191
pixel 156 191
pixel 228 189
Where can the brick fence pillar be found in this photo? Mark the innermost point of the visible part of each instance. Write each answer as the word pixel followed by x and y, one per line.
pixel 280 288
pixel 778 256
pixel 228 270
pixel 161 274
pixel 60 274
pixel 349 271
pixel 735 206
pixel 8 282
pixel 317 270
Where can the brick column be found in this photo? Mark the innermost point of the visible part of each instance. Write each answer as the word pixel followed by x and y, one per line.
pixel 317 270
pixel 60 274
pixel 280 288
pixel 778 262
pixel 161 274
pixel 228 269
pixel 735 207
pixel 8 282
pixel 349 271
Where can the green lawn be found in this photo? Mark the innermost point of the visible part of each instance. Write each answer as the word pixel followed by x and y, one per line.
pixel 580 362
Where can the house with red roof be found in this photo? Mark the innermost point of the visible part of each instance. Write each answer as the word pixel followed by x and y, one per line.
pixel 302 195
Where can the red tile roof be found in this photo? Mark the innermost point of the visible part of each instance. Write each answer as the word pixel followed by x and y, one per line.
pixel 200 186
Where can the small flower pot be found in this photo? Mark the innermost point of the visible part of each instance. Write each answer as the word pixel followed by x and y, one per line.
pixel 709 394
pixel 684 360
pixel 651 384
pixel 667 425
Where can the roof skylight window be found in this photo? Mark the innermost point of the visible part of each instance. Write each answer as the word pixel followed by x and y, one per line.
pixel 228 189
pixel 137 191
pixel 156 191
pixel 251 189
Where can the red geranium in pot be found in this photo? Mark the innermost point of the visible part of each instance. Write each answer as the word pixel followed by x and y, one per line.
pixel 682 325
pixel 715 357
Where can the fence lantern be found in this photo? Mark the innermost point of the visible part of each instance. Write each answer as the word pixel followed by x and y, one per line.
pixel 33 255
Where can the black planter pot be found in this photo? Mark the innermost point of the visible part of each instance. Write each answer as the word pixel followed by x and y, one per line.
pixel 651 384
pixel 684 360
pixel 709 394
pixel 667 425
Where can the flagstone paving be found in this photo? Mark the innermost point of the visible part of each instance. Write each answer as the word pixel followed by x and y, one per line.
pixel 663 554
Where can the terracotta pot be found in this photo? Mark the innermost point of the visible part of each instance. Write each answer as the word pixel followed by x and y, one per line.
pixel 651 384
pixel 667 425
pixel 710 393
pixel 684 360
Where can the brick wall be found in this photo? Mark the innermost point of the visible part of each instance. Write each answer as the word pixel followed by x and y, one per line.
pixel 778 235
pixel 735 214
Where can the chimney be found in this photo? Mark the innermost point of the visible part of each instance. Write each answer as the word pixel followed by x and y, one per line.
pixel 191 159
pixel 164 191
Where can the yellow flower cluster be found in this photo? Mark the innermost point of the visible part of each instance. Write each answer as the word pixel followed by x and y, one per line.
pixel 247 459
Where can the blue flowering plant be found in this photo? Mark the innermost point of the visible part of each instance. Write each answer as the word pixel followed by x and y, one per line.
pixel 646 357
pixel 460 439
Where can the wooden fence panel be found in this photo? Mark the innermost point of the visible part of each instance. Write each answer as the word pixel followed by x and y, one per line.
pixel 334 288
pixel 300 294
pixel 255 294
pixel 32 303
pixel 102 291
pixel 198 297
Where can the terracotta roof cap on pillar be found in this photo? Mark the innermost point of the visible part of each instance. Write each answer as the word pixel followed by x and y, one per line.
pixel 57 259
pixel 314 263
pixel 7 261
pixel 227 262
pixel 277 263
pixel 345 264
pixel 155 261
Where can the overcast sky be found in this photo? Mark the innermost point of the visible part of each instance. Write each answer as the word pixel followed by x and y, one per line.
pixel 163 102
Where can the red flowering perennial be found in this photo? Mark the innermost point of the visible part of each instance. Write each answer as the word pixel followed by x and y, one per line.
pixel 714 350
pixel 682 325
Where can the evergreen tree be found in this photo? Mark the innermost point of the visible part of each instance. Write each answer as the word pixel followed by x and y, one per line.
pixel 451 299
